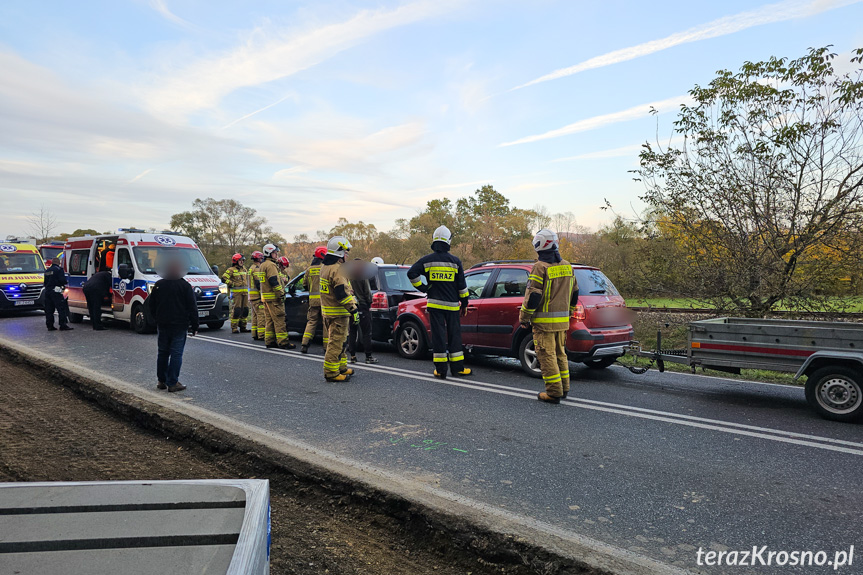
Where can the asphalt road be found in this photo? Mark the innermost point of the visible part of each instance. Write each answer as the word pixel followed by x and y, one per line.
pixel 659 464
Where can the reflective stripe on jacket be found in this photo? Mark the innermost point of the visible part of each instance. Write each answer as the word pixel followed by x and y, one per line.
pixel 553 290
pixel 446 287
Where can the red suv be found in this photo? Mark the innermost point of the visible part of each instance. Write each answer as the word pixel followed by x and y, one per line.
pixel 599 329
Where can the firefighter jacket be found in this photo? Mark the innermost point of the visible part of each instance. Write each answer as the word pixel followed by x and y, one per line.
pixel 254 282
pixel 446 287
pixel 270 282
pixel 551 296
pixel 337 297
pixel 312 283
pixel 237 278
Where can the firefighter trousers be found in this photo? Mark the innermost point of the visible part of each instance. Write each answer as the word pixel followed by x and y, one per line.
pixel 261 318
pixel 551 352
pixel 241 311
pixel 335 361
pixel 313 320
pixel 446 340
pixel 275 330
pixel 255 308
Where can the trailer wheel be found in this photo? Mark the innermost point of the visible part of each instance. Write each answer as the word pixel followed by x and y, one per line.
pixel 836 393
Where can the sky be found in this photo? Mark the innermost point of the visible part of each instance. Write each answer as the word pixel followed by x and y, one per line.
pixel 116 113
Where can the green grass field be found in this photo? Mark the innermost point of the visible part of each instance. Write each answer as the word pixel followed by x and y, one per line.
pixel 854 304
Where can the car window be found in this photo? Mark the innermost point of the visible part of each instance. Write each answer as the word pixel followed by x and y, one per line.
pixel 476 283
pixel 395 279
pixel 510 283
pixel 297 282
pixel 78 262
pixel 124 257
pixel 594 282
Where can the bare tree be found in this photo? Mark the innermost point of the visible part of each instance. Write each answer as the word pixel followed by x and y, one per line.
pixel 42 224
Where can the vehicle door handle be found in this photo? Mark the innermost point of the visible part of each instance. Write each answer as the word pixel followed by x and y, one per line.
pixel 471 308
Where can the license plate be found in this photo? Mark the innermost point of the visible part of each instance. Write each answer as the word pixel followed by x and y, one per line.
pixel 203 313
pixel 25 302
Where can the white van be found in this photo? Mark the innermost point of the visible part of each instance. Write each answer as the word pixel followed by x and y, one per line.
pixel 132 256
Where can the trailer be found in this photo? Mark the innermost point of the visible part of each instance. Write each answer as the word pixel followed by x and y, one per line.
pixel 829 354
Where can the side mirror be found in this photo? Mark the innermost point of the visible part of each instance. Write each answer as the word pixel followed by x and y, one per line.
pixel 215 269
pixel 125 272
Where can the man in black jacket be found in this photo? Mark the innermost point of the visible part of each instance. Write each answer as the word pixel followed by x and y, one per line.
pixel 55 284
pixel 447 295
pixel 359 277
pixel 96 289
pixel 173 306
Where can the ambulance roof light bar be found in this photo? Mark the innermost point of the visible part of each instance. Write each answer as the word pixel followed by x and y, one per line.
pixel 131 230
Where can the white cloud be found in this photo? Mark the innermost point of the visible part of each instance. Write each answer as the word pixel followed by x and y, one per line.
pixel 621 152
pixel 595 122
pixel 139 176
pixel 162 8
pixel 269 55
pixel 768 14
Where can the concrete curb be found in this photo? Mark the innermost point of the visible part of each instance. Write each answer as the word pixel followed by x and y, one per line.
pixel 481 530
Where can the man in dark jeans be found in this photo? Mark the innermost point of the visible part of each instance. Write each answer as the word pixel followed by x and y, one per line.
pixel 55 284
pixel 358 274
pixel 172 304
pixel 96 289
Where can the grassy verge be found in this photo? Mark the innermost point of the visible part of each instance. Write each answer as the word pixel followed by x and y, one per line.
pixel 851 304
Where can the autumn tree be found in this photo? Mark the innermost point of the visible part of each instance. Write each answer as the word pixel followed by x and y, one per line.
pixel 767 180
pixel 224 227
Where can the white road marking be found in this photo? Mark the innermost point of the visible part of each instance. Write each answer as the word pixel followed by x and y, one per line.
pixel 818 442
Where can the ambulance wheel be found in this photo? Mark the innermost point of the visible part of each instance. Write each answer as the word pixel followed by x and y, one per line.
pixel 215 324
pixel 527 357
pixel 75 317
pixel 139 320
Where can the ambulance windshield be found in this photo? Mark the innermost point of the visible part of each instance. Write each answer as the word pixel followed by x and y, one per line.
pixel 20 264
pixel 148 259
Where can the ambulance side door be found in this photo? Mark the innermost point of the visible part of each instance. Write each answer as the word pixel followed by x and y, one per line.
pixel 121 288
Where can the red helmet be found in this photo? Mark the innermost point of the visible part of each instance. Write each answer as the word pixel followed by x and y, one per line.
pixel 237 258
pixel 284 261
pixel 257 256
pixel 320 252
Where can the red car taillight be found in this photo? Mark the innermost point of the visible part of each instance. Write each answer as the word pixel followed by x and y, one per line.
pixel 380 301
pixel 578 314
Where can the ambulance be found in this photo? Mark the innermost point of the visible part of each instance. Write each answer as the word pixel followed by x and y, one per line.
pixel 133 256
pixel 22 273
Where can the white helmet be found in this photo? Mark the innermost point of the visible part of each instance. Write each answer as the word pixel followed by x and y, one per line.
pixel 545 240
pixel 269 249
pixel 378 261
pixel 442 234
pixel 338 246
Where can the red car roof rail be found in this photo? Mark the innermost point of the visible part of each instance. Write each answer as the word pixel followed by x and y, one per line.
pixel 492 262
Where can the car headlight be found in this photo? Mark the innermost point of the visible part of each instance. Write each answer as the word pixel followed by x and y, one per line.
pixel 223 288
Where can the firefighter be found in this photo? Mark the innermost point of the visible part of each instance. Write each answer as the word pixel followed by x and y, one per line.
pixel 551 297
pixel 237 278
pixel 273 298
pixel 312 284
pixel 447 294
pixel 284 270
pixel 338 307
pixel 258 318
pixel 55 284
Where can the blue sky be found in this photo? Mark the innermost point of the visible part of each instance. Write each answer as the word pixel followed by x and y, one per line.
pixel 122 112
